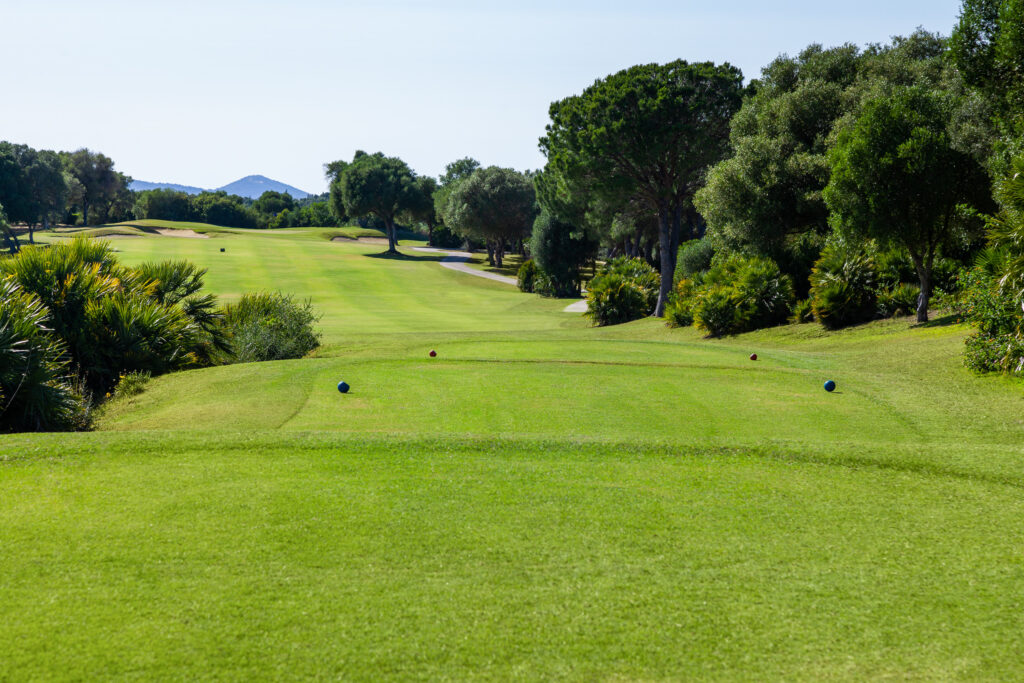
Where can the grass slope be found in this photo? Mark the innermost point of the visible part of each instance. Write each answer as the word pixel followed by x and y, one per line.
pixel 543 500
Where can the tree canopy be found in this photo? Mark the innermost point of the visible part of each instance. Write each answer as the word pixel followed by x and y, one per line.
pixel 374 184
pixel 649 132
pixel 494 205
pixel 896 177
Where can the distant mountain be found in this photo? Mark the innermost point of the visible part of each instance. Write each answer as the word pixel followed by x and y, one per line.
pixel 140 185
pixel 251 186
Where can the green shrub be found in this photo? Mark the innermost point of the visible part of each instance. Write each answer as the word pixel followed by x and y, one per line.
pixel 130 332
pixel 527 276
pixel 843 285
pixel 35 391
pixel 694 257
pixel 716 310
pixel 270 326
pixel 112 319
pixel 679 311
pixel 131 384
pixel 560 250
pixel 898 300
pixel 624 289
pixel 997 345
pixel 802 312
pixel 741 293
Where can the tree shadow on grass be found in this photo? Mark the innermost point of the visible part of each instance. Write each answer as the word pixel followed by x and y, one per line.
pixel 942 321
pixel 400 256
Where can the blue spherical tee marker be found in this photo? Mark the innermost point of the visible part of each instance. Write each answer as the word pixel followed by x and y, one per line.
pixel 830 385
pixel 343 387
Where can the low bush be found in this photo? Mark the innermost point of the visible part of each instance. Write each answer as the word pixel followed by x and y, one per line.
pixel 898 300
pixel 802 312
pixel 997 345
pixel 624 289
pixel 270 326
pixel 741 293
pixel 679 310
pixel 526 276
pixel 131 384
pixel 36 392
pixel 843 285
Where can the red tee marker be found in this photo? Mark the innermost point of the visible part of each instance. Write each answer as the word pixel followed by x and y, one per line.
pixel 753 356
pixel 433 353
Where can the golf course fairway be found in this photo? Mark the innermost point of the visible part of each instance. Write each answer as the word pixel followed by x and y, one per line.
pixel 541 500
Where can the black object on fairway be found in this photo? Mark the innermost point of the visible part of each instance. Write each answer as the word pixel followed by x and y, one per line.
pixel 222 250
pixel 343 387
pixel 830 386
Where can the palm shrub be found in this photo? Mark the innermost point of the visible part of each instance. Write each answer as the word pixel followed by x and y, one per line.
pixel 624 289
pixel 679 311
pixel 739 294
pixel 802 312
pixel 180 282
pixel 843 283
pixel 35 390
pixel 130 332
pixel 112 319
pixel 270 326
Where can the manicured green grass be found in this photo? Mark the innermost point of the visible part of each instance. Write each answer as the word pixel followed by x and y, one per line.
pixel 542 500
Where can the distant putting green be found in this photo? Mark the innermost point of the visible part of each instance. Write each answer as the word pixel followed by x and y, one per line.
pixel 541 500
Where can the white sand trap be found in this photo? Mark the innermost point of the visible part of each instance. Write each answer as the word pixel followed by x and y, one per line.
pixel 178 232
pixel 576 307
pixel 456 260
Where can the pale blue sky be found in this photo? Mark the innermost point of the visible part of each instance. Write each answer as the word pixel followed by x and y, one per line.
pixel 203 93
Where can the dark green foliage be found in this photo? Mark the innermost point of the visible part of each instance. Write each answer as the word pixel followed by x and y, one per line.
pixel 129 332
pixel 164 204
pixel 131 384
pixel 802 312
pixel 494 205
pixel 270 326
pixel 694 257
pixel 987 46
pixel 897 178
pixel 679 312
pixel 374 184
pixel 624 289
pixel 843 285
pixel 898 300
pixel 560 251
pixel 766 198
pixel 271 203
pixel 527 276
pixel 97 189
pixel 997 345
pixel 646 134
pixel 35 391
pixel 739 294
pixel 111 319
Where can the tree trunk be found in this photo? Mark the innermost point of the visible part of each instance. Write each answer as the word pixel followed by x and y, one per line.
pixel 668 241
pixel 85 212
pixel 31 233
pixel 389 223
pixel 490 253
pixel 924 275
pixel 499 253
